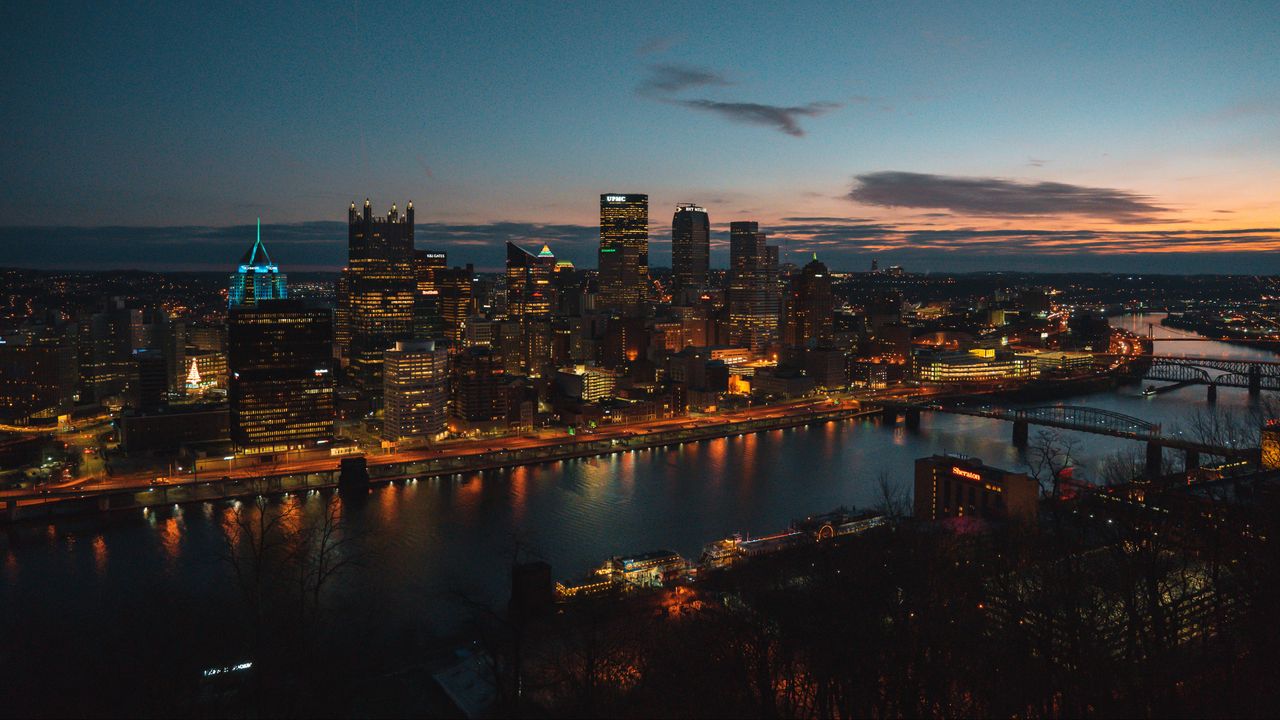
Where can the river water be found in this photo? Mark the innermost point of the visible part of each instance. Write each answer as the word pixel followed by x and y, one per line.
pixel 423 544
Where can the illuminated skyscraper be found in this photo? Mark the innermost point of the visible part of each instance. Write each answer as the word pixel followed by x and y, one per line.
pixel 753 299
pixel 257 279
pixel 690 247
pixel 426 265
pixel 810 306
pixel 428 312
pixel 380 292
pixel 457 301
pixel 280 384
pixel 415 390
pixel 624 251
pixel 529 289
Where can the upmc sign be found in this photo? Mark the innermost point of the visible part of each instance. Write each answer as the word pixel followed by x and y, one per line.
pixel 968 474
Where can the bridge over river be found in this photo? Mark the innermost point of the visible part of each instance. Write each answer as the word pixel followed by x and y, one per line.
pixel 1256 375
pixel 1079 419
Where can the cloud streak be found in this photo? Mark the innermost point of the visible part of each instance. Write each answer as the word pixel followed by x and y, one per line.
pixel 783 119
pixel 858 236
pixel 999 197
pixel 666 79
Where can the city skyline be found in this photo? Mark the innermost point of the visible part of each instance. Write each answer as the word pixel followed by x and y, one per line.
pixel 807 360
pixel 946 139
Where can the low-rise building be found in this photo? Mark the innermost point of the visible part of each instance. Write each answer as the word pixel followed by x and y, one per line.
pixel 979 365
pixel 948 486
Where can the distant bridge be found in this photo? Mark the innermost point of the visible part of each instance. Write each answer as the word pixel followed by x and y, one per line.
pixel 1252 374
pixel 1079 419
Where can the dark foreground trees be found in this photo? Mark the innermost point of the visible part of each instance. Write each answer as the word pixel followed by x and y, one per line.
pixel 1083 617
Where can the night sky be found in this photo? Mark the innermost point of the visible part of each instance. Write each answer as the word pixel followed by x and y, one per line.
pixel 941 136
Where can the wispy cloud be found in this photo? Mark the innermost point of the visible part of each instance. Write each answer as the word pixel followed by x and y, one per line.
pixel 783 119
pixel 659 45
pixel 854 236
pixel 666 79
pixel 986 196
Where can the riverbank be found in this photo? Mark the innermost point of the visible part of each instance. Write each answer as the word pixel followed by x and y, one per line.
pixel 19 507
pixel 1219 332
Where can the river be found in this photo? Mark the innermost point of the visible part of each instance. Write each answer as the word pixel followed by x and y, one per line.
pixel 424 544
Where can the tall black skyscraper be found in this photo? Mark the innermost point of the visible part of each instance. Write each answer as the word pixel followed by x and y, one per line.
pixel 624 251
pixel 279 361
pixel 690 247
pixel 381 285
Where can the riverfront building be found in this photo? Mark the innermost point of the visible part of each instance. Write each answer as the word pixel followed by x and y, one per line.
pixel 480 390
pixel 280 384
pixel 948 486
pixel 415 391
pixel 979 365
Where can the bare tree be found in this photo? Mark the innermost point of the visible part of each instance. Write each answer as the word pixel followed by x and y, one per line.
pixel 1233 426
pixel 893 503
pixel 255 547
pixel 1048 458
pixel 1122 467
pixel 320 551
pixel 283 558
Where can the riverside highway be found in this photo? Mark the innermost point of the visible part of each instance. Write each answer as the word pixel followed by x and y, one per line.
pixel 481 452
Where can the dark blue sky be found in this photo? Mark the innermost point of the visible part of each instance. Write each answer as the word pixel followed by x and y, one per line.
pixel 1094 135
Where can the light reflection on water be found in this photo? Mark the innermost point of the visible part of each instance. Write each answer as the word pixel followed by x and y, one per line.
pixel 425 541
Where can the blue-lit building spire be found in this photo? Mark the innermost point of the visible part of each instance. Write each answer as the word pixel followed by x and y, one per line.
pixel 258 278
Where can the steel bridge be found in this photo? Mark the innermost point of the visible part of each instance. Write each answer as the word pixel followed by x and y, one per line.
pixel 1255 375
pixel 1067 417
pixel 1080 419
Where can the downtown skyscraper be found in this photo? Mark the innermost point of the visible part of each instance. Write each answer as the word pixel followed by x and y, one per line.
pixel 280 384
pixel 257 277
pixel 624 251
pixel 810 306
pixel 380 291
pixel 690 247
pixel 530 293
pixel 415 378
pixel 753 297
